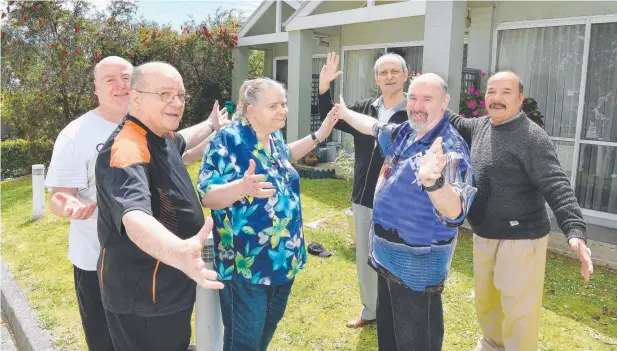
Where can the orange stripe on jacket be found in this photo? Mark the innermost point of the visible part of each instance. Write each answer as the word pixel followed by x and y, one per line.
pixel 156 269
pixel 130 146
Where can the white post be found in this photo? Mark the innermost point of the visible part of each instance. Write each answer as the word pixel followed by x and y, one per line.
pixel 208 320
pixel 38 191
pixel 279 16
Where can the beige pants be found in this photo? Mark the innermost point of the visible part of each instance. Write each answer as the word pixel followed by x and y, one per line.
pixel 509 282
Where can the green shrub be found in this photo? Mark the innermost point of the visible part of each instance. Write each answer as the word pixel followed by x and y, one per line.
pixel 19 155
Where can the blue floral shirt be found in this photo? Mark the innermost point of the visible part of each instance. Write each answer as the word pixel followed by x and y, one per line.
pixel 257 240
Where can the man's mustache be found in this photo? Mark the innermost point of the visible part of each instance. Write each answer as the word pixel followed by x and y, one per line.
pixel 497 104
pixel 421 113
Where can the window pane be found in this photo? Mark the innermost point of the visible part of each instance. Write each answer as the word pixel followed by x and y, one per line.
pixel 596 184
pixel 412 56
pixel 600 116
pixel 359 81
pixel 549 61
pixel 281 71
pixel 565 153
pixel 359 75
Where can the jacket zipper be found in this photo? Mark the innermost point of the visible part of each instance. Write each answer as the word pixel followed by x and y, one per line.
pixel 102 266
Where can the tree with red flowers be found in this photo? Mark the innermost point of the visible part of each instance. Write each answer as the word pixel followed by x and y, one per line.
pixel 49 49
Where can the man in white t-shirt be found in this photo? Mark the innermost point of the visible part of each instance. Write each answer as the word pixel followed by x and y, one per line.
pixel 73 187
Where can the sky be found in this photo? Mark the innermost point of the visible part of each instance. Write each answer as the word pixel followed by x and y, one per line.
pixel 175 12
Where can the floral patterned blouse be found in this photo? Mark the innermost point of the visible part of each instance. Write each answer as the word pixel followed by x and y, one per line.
pixel 257 240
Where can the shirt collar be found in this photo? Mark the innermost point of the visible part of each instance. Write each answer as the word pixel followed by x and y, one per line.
pixel 150 135
pixel 430 137
pixel 379 102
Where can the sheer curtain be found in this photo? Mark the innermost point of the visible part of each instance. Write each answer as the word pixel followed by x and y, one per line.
pixel 412 56
pixel 549 60
pixel 359 81
pixel 596 185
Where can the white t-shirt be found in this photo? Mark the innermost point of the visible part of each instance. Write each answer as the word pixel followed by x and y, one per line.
pixel 385 114
pixel 72 166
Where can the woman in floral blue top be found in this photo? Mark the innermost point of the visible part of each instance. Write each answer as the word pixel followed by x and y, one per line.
pixel 246 178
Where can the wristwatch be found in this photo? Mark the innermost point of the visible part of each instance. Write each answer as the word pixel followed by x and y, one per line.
pixel 314 137
pixel 439 183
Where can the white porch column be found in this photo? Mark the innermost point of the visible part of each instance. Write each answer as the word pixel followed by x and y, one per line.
pixel 240 71
pixel 480 39
pixel 300 52
pixel 269 63
pixel 444 31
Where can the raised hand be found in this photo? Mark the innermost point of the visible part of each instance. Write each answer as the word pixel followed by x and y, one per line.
pixel 74 208
pixel 213 119
pixel 326 126
pixel 254 185
pixel 223 117
pixel 343 110
pixel 432 164
pixel 193 265
pixel 329 72
pixel 584 255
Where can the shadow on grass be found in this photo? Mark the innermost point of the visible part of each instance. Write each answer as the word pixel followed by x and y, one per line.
pixel 15 192
pixel 367 340
pixel 593 303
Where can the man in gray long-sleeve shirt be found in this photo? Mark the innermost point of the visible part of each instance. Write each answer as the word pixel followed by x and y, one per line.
pixel 516 169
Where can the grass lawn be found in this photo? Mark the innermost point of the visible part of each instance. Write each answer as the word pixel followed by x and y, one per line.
pixel 576 315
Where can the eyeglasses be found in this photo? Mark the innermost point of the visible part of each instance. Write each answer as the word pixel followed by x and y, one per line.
pixel 168 96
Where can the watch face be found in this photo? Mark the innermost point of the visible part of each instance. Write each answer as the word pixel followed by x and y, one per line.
pixel 441 181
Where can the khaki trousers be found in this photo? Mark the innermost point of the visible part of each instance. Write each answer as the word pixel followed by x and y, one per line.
pixel 509 283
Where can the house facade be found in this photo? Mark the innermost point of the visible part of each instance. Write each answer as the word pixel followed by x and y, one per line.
pixel 565 52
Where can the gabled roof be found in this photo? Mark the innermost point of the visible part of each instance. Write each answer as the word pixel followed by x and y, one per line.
pixel 261 10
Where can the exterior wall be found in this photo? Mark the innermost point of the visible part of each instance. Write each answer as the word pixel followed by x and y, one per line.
pixel 508 11
pixel 390 31
pixel 480 39
pixel 282 49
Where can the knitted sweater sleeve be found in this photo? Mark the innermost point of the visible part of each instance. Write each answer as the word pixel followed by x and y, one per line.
pixel 545 171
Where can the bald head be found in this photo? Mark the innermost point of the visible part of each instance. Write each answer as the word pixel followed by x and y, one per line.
pixel 111 87
pixel 427 100
pixel 508 75
pixel 430 79
pixel 144 75
pixel 111 61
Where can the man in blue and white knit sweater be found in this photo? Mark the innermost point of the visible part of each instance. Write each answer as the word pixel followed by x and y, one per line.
pixel 422 195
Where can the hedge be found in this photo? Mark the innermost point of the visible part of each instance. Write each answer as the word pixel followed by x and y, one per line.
pixel 19 155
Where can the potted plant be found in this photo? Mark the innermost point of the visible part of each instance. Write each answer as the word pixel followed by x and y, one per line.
pixel 311 159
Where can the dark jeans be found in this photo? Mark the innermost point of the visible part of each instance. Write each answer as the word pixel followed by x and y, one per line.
pixel 165 333
pixel 93 318
pixel 251 313
pixel 408 320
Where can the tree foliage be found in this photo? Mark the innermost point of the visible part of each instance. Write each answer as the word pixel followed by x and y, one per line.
pixel 49 49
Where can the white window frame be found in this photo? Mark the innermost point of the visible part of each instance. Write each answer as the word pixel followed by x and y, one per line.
pixel 595 217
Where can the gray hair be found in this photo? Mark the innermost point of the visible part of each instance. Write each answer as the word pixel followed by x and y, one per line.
pixel 249 93
pixel 392 56
pixel 139 78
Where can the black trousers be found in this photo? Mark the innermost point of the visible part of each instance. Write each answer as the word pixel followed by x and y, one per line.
pixel 93 317
pixel 408 320
pixel 165 333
